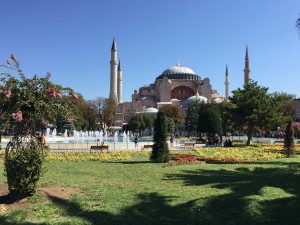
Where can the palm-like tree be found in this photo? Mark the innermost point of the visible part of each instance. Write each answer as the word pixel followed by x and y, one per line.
pixel 298 24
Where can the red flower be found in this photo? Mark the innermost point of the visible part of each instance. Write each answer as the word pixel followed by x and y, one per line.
pixel 51 92
pixel 48 74
pixel 8 62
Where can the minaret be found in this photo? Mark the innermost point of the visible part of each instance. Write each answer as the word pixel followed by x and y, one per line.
pixel 119 83
pixel 113 73
pixel 247 69
pixel 226 84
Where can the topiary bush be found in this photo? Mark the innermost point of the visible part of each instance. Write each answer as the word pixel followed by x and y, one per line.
pixel 160 150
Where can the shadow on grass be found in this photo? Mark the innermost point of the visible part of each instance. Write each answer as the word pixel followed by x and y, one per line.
pixel 249 201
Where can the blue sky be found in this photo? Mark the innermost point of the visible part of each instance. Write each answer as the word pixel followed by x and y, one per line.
pixel 72 40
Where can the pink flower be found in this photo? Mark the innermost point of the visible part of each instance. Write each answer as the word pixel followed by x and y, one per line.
pixel 59 95
pixel 74 95
pixel 48 74
pixel 13 57
pixel 51 92
pixel 17 116
pixel 7 93
pixel 8 62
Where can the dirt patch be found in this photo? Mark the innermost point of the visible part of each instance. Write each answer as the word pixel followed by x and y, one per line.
pixel 57 192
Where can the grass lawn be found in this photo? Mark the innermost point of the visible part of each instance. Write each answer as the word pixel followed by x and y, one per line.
pixel 138 192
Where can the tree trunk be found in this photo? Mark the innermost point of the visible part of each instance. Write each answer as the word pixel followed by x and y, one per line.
pixel 249 135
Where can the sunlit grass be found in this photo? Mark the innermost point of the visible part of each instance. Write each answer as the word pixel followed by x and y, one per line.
pixel 135 191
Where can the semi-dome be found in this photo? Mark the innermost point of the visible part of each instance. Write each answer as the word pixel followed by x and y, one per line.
pixel 179 72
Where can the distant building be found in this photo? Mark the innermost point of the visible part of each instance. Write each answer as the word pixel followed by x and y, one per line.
pixel 176 85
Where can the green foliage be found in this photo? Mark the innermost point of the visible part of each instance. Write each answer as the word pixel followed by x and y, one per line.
pixel 192 114
pixel 140 122
pixel 289 139
pixel 160 151
pixel 255 109
pixel 209 122
pixel 23 168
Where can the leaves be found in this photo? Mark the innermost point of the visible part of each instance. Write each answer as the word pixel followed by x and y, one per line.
pixel 37 99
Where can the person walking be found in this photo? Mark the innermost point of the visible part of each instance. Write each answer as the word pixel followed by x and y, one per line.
pixel 136 141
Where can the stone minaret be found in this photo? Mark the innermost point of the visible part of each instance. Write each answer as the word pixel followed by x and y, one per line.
pixel 226 84
pixel 113 73
pixel 247 69
pixel 119 83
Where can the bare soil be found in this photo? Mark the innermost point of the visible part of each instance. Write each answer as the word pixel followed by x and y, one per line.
pixel 58 192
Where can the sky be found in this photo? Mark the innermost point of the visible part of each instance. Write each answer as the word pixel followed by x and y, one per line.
pixel 72 40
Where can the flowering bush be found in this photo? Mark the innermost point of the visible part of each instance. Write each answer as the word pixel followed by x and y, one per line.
pixel 30 103
pixel 27 105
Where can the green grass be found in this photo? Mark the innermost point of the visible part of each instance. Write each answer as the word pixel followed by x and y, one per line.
pixel 138 192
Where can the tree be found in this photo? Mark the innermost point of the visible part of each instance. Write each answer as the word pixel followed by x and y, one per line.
pixel 28 104
pixel 160 151
pixel 192 115
pixel 287 104
pixel 255 109
pixel 173 112
pixel 140 122
pixel 225 108
pixel 137 123
pixel 170 125
pixel 209 122
pixel 109 112
pixel 289 139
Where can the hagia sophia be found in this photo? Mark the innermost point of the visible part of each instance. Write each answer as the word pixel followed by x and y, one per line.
pixel 177 85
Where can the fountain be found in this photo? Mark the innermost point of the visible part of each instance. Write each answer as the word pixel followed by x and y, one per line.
pixel 124 136
pixel 116 137
pixel 105 136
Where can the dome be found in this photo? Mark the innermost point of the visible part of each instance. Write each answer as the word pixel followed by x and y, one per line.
pixel 194 98
pixel 178 69
pixel 179 72
pixel 150 110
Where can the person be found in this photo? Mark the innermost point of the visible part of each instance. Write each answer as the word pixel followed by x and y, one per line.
pixel 172 139
pixel 136 142
pixel 43 139
pixel 98 141
pixel 216 139
pixel 39 137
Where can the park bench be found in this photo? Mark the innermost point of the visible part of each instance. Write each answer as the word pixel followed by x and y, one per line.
pixel 99 148
pixel 278 142
pixel 199 145
pixel 147 146
pixel 187 144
